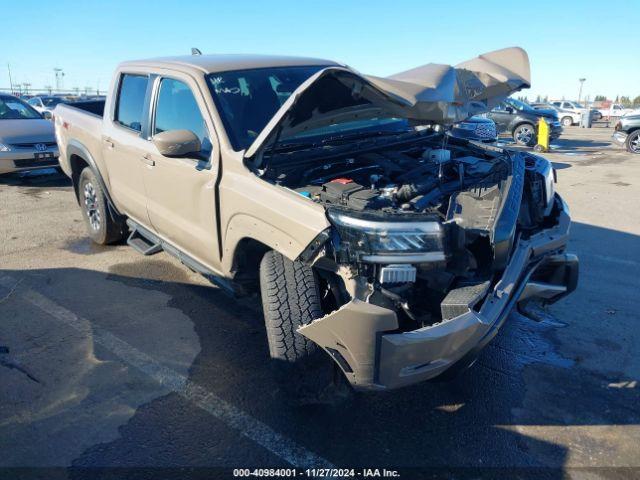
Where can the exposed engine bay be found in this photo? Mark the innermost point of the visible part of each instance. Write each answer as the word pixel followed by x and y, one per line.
pixel 422 227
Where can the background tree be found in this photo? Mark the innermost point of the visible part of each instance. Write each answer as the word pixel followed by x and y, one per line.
pixel 636 101
pixel 625 101
pixel 600 98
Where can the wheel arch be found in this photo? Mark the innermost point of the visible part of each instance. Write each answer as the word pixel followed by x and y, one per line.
pixel 80 158
pixel 245 263
pixel 521 122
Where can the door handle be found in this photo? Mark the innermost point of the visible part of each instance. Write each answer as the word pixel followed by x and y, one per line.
pixel 147 160
pixel 108 141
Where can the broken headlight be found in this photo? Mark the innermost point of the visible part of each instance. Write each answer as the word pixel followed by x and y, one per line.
pixel 543 167
pixel 377 240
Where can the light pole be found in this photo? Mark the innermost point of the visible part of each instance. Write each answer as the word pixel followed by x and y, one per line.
pixel 10 79
pixel 59 77
pixel 581 80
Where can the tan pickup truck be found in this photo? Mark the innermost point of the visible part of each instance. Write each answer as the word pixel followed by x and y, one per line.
pixel 369 231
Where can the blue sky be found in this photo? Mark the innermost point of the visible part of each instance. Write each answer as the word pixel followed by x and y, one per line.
pixel 565 40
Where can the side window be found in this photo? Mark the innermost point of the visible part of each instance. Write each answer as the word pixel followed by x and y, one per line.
pixel 130 105
pixel 177 109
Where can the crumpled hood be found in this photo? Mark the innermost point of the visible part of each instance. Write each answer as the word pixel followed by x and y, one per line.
pixel 26 131
pixel 431 93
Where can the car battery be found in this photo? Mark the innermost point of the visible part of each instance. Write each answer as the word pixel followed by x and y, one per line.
pixel 348 194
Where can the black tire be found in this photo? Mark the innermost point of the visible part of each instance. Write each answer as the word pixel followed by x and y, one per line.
pixel 102 228
pixel 525 134
pixel 291 298
pixel 567 121
pixel 633 142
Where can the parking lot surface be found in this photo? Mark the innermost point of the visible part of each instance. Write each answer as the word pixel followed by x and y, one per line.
pixel 120 360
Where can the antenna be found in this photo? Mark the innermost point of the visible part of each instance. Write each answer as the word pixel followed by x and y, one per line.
pixel 195 51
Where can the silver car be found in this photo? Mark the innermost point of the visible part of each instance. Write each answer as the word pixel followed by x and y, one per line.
pixel 27 138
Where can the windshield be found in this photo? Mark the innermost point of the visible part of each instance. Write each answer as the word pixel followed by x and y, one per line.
pixel 517 104
pixel 368 126
pixel 248 99
pixel 51 101
pixel 12 108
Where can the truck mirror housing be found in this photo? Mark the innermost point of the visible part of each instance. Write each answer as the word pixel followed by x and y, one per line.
pixel 174 143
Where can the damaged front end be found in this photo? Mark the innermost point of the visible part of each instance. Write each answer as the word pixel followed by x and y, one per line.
pixel 433 239
pixel 423 273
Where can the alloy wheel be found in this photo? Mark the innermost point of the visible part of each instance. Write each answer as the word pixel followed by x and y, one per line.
pixel 634 143
pixel 524 135
pixel 91 206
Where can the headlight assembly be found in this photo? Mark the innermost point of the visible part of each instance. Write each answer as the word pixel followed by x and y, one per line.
pixel 4 148
pixel 376 241
pixel 465 126
pixel 543 167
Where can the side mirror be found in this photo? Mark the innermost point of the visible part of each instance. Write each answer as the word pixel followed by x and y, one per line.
pixel 174 143
pixel 47 115
pixel 509 109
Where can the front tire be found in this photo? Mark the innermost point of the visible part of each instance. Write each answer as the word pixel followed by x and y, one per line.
pixel 567 121
pixel 291 298
pixel 525 135
pixel 102 228
pixel 633 142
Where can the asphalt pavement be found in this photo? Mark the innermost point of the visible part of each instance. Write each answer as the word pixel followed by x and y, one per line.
pixel 124 361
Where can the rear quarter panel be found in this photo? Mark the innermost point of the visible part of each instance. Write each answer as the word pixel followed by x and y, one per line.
pixel 76 127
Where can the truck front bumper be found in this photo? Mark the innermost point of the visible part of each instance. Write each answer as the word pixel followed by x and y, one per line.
pixel 363 338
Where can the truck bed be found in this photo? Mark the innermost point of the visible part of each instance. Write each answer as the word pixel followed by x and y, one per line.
pixel 82 122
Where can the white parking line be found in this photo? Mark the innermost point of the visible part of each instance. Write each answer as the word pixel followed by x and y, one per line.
pixel 254 429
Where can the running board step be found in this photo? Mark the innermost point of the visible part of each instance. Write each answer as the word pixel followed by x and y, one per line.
pixel 142 244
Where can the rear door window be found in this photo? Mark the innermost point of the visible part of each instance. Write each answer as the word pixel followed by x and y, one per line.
pixel 130 104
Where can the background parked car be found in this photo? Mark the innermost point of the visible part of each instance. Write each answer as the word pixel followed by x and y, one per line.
pixel 627 133
pixel 27 139
pixel 567 117
pixel 476 128
pixel 575 107
pixel 615 110
pixel 519 120
pixel 45 102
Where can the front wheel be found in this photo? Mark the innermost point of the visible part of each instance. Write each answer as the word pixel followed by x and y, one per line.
pixel 633 142
pixel 291 298
pixel 567 121
pixel 525 135
pixel 102 228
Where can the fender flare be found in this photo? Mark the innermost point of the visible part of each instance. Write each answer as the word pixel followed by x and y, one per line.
pixel 74 147
pixel 243 226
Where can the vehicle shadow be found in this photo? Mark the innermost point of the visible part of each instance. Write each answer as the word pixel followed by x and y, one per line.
pixel 569 144
pixel 528 387
pixel 45 178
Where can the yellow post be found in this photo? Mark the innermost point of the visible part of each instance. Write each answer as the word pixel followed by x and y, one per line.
pixel 543 136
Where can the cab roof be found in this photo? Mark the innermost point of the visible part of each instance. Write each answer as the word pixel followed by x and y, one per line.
pixel 228 62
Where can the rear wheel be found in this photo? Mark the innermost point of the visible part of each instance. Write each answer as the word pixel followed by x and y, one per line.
pixel 567 121
pixel 525 134
pixel 102 228
pixel 291 298
pixel 633 142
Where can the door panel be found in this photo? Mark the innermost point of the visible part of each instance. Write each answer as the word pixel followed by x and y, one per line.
pixel 181 195
pixel 501 117
pixel 122 147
